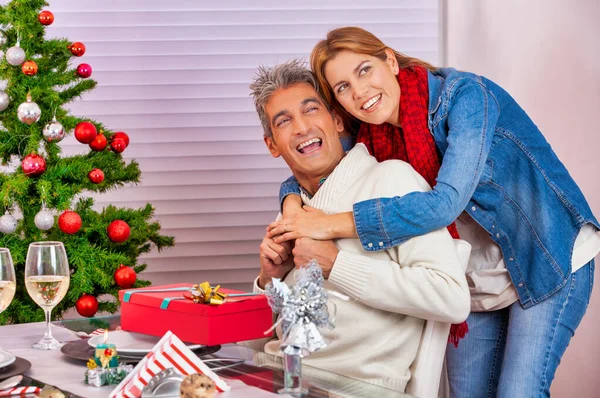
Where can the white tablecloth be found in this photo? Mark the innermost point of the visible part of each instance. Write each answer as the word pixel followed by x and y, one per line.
pixel 53 368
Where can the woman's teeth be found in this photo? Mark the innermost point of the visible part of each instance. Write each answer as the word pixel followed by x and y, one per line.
pixel 371 102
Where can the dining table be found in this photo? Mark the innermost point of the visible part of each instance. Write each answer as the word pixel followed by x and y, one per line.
pixel 235 363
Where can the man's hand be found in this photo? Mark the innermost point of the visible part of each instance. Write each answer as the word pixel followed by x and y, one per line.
pixel 275 260
pixel 324 251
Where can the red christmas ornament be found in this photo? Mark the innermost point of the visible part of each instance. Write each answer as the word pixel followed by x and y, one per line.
pixel 99 143
pixel 46 17
pixel 69 222
pixel 96 176
pixel 87 305
pixel 33 165
pixel 77 49
pixel 118 231
pixel 84 70
pixel 125 277
pixel 29 68
pixel 121 135
pixel 118 145
pixel 85 132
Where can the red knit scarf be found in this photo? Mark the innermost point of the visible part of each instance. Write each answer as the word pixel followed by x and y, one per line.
pixel 413 143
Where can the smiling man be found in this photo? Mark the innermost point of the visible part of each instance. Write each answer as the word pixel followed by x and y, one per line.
pixel 391 292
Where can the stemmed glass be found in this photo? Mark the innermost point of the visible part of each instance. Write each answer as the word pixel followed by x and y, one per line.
pixel 47 282
pixel 8 282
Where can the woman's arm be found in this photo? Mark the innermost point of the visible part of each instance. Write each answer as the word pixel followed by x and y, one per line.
pixel 472 116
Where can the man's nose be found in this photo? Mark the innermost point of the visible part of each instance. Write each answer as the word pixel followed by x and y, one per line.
pixel 301 125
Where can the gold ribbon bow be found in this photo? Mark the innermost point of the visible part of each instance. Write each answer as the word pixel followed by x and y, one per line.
pixel 205 294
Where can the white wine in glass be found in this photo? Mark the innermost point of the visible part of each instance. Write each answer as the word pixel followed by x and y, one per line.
pixel 8 282
pixel 47 281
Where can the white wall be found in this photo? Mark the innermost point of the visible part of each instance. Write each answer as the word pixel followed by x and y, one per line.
pixel 546 53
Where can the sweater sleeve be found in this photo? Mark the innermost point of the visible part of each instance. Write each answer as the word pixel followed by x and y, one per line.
pixel 423 277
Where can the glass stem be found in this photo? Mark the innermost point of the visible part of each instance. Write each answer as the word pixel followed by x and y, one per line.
pixel 48 334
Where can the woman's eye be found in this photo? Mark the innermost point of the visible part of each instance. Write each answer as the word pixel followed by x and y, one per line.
pixel 342 87
pixel 364 70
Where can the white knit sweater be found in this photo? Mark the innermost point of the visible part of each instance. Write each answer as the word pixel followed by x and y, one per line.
pixel 378 330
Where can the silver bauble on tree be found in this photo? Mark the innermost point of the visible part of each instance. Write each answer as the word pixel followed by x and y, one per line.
pixel 15 55
pixel 29 112
pixel 3 38
pixel 4 100
pixel 8 224
pixel 44 220
pixel 53 131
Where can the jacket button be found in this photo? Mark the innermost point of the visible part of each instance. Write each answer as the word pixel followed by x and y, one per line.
pixel 473 208
pixel 497 235
pixel 521 284
pixel 370 244
pixel 380 244
pixel 511 259
pixel 493 226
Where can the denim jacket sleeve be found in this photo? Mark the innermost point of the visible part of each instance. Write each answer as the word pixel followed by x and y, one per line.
pixel 472 113
pixel 289 186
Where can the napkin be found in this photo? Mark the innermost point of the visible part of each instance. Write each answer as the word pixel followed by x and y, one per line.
pixel 12 392
pixel 169 352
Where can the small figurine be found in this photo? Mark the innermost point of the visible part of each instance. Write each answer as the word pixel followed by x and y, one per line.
pixel 197 386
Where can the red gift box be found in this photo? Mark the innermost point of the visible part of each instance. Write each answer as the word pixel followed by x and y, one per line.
pixel 238 319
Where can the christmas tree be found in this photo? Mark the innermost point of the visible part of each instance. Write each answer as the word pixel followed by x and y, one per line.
pixel 41 77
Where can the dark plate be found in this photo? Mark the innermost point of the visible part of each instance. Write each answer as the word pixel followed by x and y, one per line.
pixel 81 350
pixel 18 367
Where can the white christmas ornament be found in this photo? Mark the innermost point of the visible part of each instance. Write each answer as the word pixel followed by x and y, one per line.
pixel 44 220
pixel 8 224
pixel 3 38
pixel 29 112
pixel 4 100
pixel 53 131
pixel 15 55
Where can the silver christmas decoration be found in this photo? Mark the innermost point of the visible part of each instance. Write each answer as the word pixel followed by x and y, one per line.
pixel 4 100
pixel 3 38
pixel 29 112
pixel 44 220
pixel 15 55
pixel 53 131
pixel 8 224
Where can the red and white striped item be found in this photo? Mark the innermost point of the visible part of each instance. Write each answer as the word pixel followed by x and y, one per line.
pixel 169 352
pixel 96 332
pixel 13 392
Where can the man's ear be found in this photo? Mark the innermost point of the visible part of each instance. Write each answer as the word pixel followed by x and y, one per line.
pixel 391 60
pixel 339 123
pixel 272 147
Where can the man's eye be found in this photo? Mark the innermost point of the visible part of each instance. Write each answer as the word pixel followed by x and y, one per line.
pixel 364 70
pixel 311 109
pixel 280 122
pixel 342 87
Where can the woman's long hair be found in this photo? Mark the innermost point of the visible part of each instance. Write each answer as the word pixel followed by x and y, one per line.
pixel 358 41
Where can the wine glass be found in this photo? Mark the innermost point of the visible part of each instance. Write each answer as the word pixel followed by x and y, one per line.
pixel 8 282
pixel 47 282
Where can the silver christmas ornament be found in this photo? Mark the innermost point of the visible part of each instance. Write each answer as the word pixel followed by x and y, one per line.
pixel 4 100
pixel 15 55
pixel 3 38
pixel 8 224
pixel 29 112
pixel 44 220
pixel 53 131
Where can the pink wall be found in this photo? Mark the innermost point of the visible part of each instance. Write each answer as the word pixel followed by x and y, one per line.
pixel 547 55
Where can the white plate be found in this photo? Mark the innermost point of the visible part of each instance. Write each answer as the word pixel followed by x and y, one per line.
pixel 131 343
pixel 6 358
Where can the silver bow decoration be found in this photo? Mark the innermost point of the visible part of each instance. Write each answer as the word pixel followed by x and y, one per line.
pixel 302 309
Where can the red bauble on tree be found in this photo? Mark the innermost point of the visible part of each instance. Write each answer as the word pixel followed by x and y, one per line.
pixel 85 132
pixel 125 277
pixel 121 135
pixel 87 305
pixel 84 70
pixel 69 222
pixel 118 145
pixel 118 231
pixel 29 68
pixel 77 49
pixel 99 143
pixel 46 17
pixel 96 176
pixel 33 165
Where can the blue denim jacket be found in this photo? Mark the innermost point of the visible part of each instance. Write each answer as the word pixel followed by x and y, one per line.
pixel 498 167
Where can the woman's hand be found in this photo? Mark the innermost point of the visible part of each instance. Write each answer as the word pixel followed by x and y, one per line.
pixel 312 223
